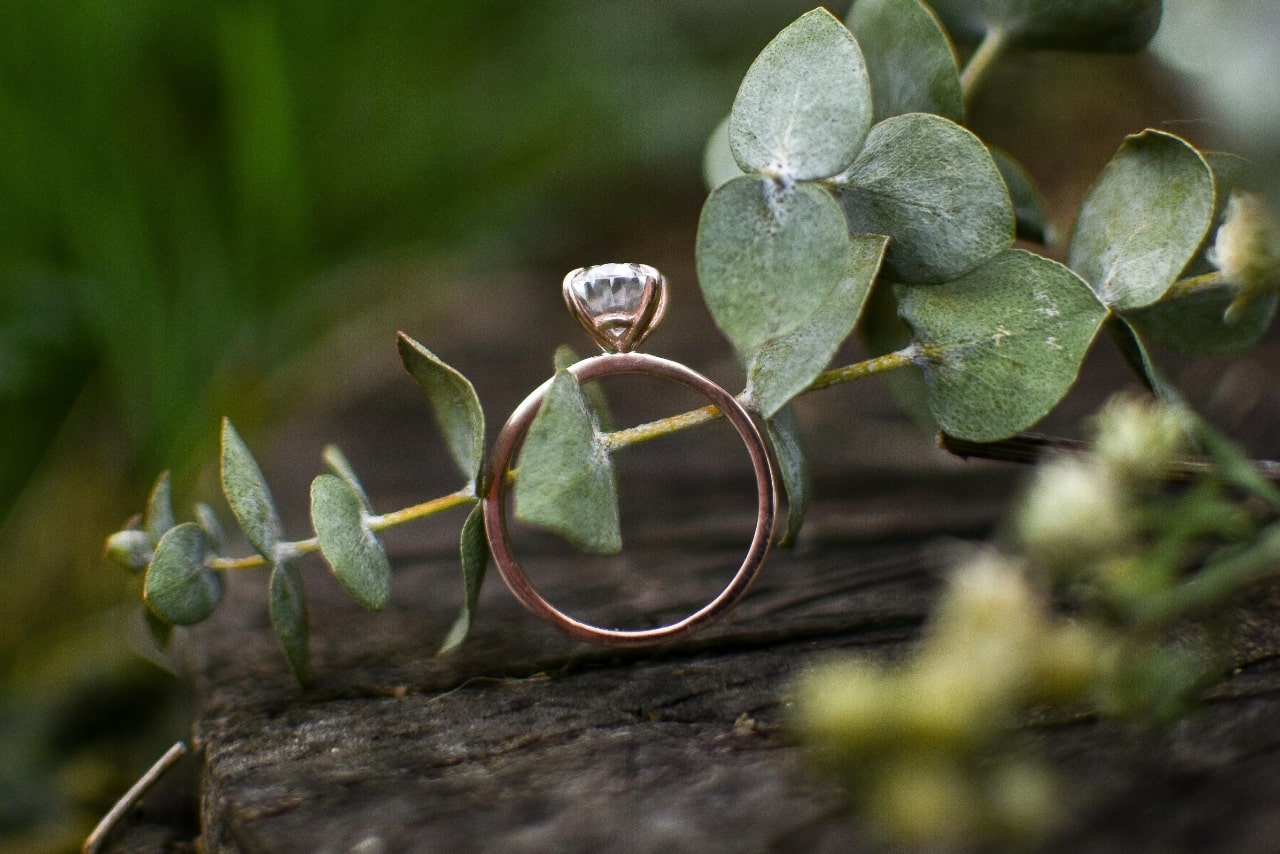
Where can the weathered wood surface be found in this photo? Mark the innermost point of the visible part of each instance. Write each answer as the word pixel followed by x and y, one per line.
pixel 526 741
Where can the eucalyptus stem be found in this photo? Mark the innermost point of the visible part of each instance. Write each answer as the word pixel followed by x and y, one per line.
pixel 1194 283
pixel 675 423
pixel 991 46
pixel 466 495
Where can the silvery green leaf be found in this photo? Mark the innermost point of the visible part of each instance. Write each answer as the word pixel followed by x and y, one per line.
pixel 768 257
pixel 454 402
pixel 1028 207
pixel 474 549
pixel 804 107
pixel 159 516
pixel 1143 220
pixel 208 521
pixel 1194 322
pixel 288 610
pixel 883 332
pixel 1079 25
pixel 784 366
pixel 594 392
pixel 1000 346
pixel 129 549
pixel 718 164
pixel 246 491
pixel 161 631
pixel 178 588
pixel 909 59
pixel 353 551
pixel 932 187
pixel 566 480
pixel 337 462
pixel 793 466
pixel 1134 351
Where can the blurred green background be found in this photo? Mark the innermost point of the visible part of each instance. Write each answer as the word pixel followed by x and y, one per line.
pixel 181 187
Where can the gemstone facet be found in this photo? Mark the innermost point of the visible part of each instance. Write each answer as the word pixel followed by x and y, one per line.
pixel 617 304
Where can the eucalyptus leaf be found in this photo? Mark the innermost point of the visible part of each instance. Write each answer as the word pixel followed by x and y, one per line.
pixel 1143 220
pixel 247 494
pixel 129 549
pixel 1079 25
pixel 161 631
pixel 208 521
pixel 718 165
pixel 932 187
pixel 1000 346
pixel 159 517
pixel 179 589
pixel 1030 222
pixel 454 402
pixel 793 466
pixel 804 106
pixel 567 482
pixel 909 59
pixel 1134 351
pixel 1194 322
pixel 337 462
pixel 288 610
pixel 474 550
pixel 351 548
pixel 784 366
pixel 883 332
pixel 768 258
pixel 594 392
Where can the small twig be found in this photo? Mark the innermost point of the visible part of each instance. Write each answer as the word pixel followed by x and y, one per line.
pixel 991 46
pixel 1028 448
pixel 93 844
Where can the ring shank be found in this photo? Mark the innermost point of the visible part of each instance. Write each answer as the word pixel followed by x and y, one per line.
pixel 508 445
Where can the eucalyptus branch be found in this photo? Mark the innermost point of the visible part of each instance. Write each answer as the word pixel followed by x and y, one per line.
pixel 1182 287
pixel 676 423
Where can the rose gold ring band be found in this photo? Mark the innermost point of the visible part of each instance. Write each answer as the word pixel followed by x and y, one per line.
pixel 508 445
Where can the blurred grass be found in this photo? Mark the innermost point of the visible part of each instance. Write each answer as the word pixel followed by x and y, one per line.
pixel 176 182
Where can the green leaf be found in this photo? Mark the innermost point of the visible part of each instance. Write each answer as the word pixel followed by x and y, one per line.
pixel 178 588
pixel 208 521
pixel 1028 207
pixel 129 549
pixel 718 165
pixel 1135 354
pixel 160 630
pixel 793 466
pixel 247 494
pixel 566 482
pixel 594 392
pixel 1143 220
pixel 932 187
pixel 1193 322
pixel 768 258
pixel 475 560
pixel 882 331
pixel 1079 25
pixel 454 402
pixel 337 462
pixel 351 548
pixel 159 516
pixel 785 366
pixel 1000 346
pixel 804 107
pixel 909 59
pixel 288 609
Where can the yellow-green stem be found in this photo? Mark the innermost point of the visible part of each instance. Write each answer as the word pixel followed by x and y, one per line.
pixel 666 426
pixel 991 46
pixel 1183 287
